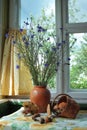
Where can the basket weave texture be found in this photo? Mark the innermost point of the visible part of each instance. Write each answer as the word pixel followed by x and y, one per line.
pixel 64 105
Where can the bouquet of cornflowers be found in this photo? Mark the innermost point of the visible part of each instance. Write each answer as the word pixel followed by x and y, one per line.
pixel 39 49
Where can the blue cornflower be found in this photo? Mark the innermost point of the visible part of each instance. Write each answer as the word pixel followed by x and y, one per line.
pixel 14 42
pixel 27 23
pixel 23 38
pixel 54 48
pixel 40 45
pixel 19 56
pixel 21 30
pixel 61 28
pixel 46 65
pixel 47 51
pixel 63 42
pixel 48 38
pixel 12 36
pixel 44 30
pixel 40 29
pixel 58 44
pixel 58 63
pixel 26 43
pixel 6 35
pixel 69 58
pixel 17 67
pixel 32 36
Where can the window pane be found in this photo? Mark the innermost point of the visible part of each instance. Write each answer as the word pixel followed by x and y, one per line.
pixel 77 11
pixel 31 7
pixel 78 63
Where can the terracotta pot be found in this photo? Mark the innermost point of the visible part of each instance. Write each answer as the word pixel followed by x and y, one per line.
pixel 40 96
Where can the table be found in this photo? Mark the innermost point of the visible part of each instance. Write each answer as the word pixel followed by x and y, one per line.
pixel 17 121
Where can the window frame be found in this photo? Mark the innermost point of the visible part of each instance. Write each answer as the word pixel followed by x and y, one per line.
pixel 62 83
pixel 63 79
pixel 58 21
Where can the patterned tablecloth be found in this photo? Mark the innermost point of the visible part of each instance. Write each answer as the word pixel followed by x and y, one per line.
pixel 17 121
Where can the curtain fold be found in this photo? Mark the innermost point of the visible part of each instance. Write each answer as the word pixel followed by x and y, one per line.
pixel 15 77
pixel 3 28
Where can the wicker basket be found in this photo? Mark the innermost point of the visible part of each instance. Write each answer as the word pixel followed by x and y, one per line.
pixel 64 105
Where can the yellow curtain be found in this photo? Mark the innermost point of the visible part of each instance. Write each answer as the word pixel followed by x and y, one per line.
pixel 15 77
pixel 3 28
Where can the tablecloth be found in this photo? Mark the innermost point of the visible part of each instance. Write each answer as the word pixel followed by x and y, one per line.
pixel 17 121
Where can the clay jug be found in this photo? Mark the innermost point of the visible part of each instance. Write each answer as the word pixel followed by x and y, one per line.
pixel 41 96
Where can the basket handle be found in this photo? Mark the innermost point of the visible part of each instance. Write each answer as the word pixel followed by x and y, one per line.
pixel 62 94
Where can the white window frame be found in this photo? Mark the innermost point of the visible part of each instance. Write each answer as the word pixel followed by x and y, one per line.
pixel 63 73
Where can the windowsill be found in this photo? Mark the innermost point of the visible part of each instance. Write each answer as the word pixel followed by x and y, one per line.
pixel 17 97
pixel 80 97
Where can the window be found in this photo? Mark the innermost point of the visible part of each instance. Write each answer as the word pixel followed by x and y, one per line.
pixel 71 28
pixel 78 65
pixel 74 34
pixel 27 11
pixel 77 8
pixel 30 7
